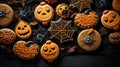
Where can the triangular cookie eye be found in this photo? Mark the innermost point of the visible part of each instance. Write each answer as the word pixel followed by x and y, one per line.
pixel 47 11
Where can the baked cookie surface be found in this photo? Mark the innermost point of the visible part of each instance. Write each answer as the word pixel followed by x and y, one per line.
pixel 89 39
pixel 6 15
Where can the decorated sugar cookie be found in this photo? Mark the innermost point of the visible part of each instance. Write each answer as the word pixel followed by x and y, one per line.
pixel 110 19
pixel 6 15
pixel 26 50
pixel 89 40
pixel 63 10
pixel 44 13
pixel 23 30
pixel 49 51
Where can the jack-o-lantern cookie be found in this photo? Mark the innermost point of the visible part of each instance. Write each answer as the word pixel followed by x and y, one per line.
pixel 7 36
pixel 26 50
pixel 51 1
pixel 44 13
pixel 116 5
pixel 89 40
pixel 86 20
pixel 49 51
pixel 114 38
pixel 63 10
pixel 23 30
pixel 6 15
pixel 110 19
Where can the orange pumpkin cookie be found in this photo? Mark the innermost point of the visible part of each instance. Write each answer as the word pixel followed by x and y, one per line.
pixel 6 15
pixel 83 20
pixel 51 1
pixel 110 19
pixel 49 51
pixel 26 50
pixel 44 13
pixel 7 36
pixel 23 30
pixel 89 40
pixel 63 10
pixel 114 38
pixel 116 5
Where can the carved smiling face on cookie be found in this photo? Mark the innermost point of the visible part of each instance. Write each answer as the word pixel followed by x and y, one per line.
pixel 110 19
pixel 23 30
pixel 49 51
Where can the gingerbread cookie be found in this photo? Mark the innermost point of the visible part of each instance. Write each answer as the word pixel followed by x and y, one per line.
pixel 49 51
pixel 89 19
pixel 61 30
pixel 116 5
pixel 44 13
pixel 114 38
pixel 89 40
pixel 7 36
pixel 26 50
pixel 63 10
pixel 23 30
pixel 110 19
pixel 6 15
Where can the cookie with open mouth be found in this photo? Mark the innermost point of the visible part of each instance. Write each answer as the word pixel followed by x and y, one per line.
pixel 23 30
pixel 63 10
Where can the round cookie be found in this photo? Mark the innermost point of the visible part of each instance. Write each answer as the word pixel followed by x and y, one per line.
pixel 23 30
pixel 110 19
pixel 7 36
pixel 116 5
pixel 49 51
pixel 6 15
pixel 89 40
pixel 63 10
pixel 44 13
pixel 114 38
pixel 26 50
pixel 86 20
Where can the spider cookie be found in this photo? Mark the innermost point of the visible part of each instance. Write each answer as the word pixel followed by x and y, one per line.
pixel 6 15
pixel 23 29
pixel 63 10
pixel 110 19
pixel 44 13
pixel 26 50
pixel 49 51
pixel 7 36
pixel 116 5
pixel 89 40
pixel 114 38
pixel 89 19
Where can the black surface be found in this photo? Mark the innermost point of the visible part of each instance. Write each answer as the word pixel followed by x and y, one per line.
pixel 67 61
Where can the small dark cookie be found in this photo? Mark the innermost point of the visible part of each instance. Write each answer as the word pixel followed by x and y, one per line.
pixel 114 38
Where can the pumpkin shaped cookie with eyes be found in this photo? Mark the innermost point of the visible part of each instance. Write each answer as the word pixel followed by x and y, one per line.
pixel 23 30
pixel 26 50
pixel 44 13
pixel 63 10
pixel 49 51
pixel 110 19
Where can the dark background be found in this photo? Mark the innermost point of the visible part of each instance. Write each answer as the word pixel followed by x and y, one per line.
pixel 106 55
